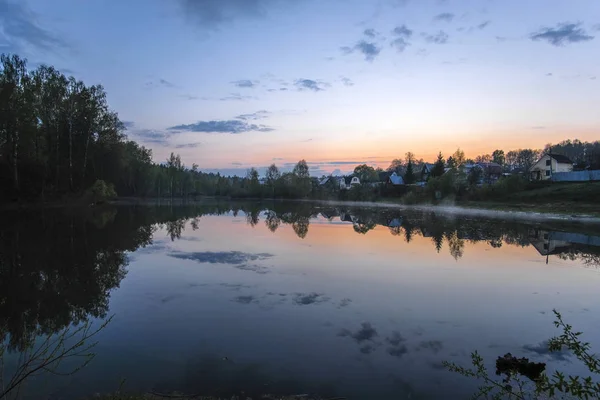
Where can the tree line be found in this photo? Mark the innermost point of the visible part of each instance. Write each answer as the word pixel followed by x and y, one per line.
pixel 58 137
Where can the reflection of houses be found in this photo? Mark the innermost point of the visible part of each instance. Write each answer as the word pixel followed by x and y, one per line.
pixel 548 165
pixel 395 223
pixel 552 242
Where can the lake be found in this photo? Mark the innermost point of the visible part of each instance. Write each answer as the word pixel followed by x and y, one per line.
pixel 291 297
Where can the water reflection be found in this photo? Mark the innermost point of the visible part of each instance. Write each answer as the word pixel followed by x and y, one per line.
pixel 59 268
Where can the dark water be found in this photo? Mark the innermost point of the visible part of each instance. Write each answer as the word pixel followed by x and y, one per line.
pixel 291 298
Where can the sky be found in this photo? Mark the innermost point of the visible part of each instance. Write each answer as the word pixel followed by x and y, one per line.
pixel 230 84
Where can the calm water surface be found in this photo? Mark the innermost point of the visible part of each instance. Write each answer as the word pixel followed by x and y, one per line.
pixel 292 298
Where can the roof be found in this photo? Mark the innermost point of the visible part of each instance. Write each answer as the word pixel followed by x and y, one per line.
pixel 395 179
pixel 492 167
pixel 561 159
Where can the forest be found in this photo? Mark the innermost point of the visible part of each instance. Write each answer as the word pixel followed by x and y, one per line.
pixel 59 138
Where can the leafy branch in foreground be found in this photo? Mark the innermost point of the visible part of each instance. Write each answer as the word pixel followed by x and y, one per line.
pixel 537 385
pixel 70 343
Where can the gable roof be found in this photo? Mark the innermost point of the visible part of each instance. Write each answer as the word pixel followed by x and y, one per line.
pixel 396 179
pixel 561 159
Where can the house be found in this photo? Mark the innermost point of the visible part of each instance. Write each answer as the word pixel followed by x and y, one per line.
pixel 549 164
pixel 491 171
pixel 348 182
pixel 424 172
pixel 395 180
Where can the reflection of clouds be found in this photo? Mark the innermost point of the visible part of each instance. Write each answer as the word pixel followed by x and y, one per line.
pixel 157 247
pixel 397 351
pixel 245 299
pixel 364 333
pixel 367 349
pixel 434 345
pixel 309 298
pixel 221 257
pixel 345 302
pixel 239 259
pixel 395 339
pixel 543 349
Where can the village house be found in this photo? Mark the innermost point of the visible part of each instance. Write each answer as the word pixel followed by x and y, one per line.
pixel 395 180
pixel 549 164
pixel 343 183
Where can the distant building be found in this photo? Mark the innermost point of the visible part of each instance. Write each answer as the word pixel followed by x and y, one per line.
pixel 395 179
pixel 549 164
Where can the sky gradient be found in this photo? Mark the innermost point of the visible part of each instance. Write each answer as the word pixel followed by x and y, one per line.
pixel 231 84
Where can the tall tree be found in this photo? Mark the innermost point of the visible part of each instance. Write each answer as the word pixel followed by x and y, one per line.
pixel 439 166
pixel 409 176
pixel 366 173
pixel 498 157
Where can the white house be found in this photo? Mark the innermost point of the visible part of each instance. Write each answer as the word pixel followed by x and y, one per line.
pixel 348 182
pixel 395 179
pixel 548 165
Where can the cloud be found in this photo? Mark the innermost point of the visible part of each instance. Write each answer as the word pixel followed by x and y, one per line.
pixel 564 33
pixel 245 83
pixel 483 25
pixel 372 33
pixel 237 97
pixel 596 27
pixel 188 145
pixel 150 136
pixel 22 31
pixel 440 37
pixel 538 127
pixel 160 82
pixel 402 33
pixel 260 114
pixel 234 126
pixel 369 49
pixel 212 14
pixel 188 97
pixel 434 345
pixel 346 81
pixel 395 339
pixel 128 124
pixel 237 163
pixel 444 17
pixel 309 84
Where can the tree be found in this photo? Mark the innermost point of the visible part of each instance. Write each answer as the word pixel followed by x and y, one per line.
pixel 451 163
pixel 409 157
pixel 474 176
pixel 409 176
pixel 396 166
pixel 366 173
pixel 484 158
pixel 301 185
pixel 439 166
pixel 498 157
pixel 272 175
pixel 459 158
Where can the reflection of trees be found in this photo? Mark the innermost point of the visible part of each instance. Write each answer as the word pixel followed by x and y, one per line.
pixel 363 227
pixel 455 245
pixel 272 221
pixel 252 217
pixel 300 226
pixel 57 269
pixel 175 228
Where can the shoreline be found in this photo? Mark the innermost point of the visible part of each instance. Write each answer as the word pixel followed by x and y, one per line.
pixel 467 209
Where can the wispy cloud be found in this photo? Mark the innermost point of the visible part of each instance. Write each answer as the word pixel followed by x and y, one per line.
pixel 23 32
pixel 444 17
pixel 236 97
pixel 564 33
pixel 245 83
pixel 149 136
pixel 234 126
pixel 371 33
pixel 310 84
pixel 128 124
pixel 402 34
pixel 261 114
pixel 346 81
pixel 370 50
pixel 440 37
pixel 160 82
pixel 188 145
pixel 213 14
pixel 189 97
pixel 484 25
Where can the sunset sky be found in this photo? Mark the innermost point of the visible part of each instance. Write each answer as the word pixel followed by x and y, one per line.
pixel 231 84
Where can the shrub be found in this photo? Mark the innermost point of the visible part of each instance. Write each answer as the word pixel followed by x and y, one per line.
pixel 101 192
